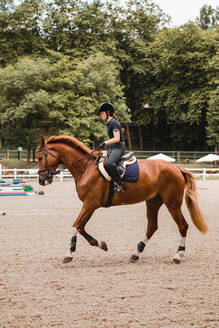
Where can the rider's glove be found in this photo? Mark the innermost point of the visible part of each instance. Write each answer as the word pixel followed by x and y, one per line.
pixel 101 146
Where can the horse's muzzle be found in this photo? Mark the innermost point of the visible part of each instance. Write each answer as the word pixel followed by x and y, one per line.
pixel 41 182
pixel 45 179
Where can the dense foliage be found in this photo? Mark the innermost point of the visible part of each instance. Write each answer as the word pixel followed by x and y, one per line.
pixel 60 59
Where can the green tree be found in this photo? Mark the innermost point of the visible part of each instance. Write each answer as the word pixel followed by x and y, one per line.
pixel 6 5
pixel 213 119
pixel 208 17
pixel 20 31
pixel 213 105
pixel 74 27
pixel 179 91
pixel 24 101
pixel 60 94
pixel 133 28
pixel 94 80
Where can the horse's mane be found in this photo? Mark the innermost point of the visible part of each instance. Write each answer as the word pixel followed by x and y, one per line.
pixel 70 141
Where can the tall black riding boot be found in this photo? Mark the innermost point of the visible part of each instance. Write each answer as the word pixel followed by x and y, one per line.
pixel 116 179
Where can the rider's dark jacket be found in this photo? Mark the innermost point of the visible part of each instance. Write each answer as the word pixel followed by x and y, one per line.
pixel 112 125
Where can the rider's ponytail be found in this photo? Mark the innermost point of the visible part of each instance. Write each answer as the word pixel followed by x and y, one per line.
pixel 115 117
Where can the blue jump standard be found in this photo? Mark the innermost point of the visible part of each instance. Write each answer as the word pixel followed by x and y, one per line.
pixel 19 194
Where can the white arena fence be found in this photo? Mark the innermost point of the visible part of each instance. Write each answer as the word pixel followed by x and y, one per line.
pixel 30 174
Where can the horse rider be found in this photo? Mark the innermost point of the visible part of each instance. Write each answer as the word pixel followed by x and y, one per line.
pixel 116 143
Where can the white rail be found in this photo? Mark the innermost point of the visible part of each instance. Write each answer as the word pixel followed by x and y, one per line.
pixel 10 174
pixel 13 174
pixel 204 172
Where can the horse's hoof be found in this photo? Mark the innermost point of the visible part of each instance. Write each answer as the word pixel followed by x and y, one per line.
pixel 103 246
pixel 176 261
pixel 67 259
pixel 134 258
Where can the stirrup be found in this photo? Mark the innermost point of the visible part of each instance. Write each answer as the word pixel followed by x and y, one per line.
pixel 118 187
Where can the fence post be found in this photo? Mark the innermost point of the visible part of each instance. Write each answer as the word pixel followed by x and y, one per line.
pixel 195 156
pixel 204 174
pixel 61 176
pixel 0 171
pixel 178 156
pixel 15 173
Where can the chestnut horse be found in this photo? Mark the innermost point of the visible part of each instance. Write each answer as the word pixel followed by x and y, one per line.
pixel 159 183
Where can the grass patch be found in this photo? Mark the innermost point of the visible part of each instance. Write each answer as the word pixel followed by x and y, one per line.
pixel 14 163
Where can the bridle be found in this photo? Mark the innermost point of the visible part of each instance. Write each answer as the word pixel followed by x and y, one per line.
pixel 48 176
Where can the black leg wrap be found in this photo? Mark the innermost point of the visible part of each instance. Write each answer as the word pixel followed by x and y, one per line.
pixel 73 244
pixel 140 247
pixel 93 242
pixel 181 248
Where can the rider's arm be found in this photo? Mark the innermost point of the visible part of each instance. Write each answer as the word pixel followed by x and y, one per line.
pixel 115 139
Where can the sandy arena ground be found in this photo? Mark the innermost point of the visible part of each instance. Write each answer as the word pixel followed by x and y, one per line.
pixel 102 289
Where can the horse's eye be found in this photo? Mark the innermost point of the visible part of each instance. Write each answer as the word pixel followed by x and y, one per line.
pixel 40 158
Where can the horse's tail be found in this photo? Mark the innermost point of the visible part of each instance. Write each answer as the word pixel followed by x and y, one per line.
pixel 191 201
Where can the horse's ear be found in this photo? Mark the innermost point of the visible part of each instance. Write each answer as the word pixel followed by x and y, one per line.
pixel 42 141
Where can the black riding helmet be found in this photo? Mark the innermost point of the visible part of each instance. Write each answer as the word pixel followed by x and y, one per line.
pixel 107 107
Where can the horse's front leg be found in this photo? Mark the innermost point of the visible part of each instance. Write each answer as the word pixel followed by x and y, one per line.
pixel 92 241
pixel 81 220
pixel 78 226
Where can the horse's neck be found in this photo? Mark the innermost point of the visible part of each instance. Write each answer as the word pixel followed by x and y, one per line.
pixel 74 160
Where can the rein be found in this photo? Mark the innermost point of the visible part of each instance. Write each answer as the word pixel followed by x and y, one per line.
pixel 50 173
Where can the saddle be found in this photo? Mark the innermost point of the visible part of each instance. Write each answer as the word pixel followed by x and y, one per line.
pixel 124 161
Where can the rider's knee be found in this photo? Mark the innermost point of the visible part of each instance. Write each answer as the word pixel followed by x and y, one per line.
pixel 110 165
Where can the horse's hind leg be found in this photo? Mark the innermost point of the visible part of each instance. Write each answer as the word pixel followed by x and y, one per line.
pixel 183 227
pixel 153 206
